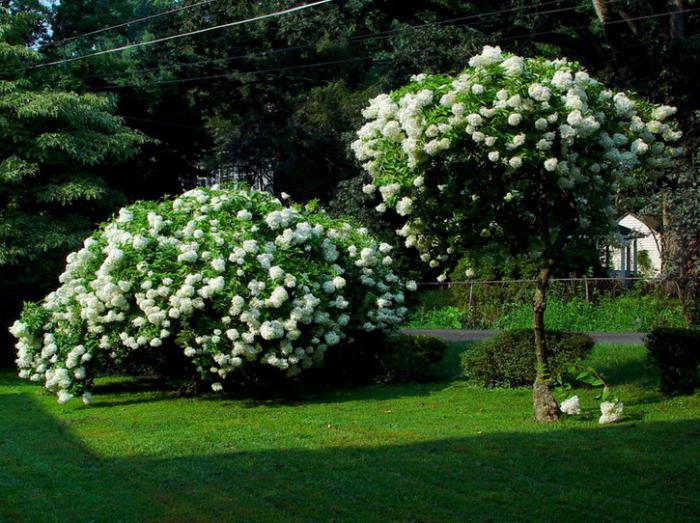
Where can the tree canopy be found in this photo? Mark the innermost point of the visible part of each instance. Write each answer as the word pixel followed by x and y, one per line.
pixel 56 149
pixel 275 102
pixel 525 153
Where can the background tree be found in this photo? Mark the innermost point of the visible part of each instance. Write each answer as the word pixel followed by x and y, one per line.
pixel 56 148
pixel 279 99
pixel 678 201
pixel 527 153
pixel 281 96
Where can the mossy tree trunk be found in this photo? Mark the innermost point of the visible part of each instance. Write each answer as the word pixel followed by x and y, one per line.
pixel 546 407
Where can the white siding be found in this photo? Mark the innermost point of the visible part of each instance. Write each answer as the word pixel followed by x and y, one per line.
pixel 650 242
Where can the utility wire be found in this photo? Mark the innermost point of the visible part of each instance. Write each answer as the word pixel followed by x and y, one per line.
pixel 353 40
pixel 182 35
pixel 254 72
pixel 479 15
pixel 129 22
pixel 612 22
pixel 321 64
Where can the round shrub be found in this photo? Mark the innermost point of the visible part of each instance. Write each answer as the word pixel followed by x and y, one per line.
pixel 232 277
pixel 507 360
pixel 676 355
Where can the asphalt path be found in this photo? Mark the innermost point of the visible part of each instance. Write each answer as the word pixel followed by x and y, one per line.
pixel 620 338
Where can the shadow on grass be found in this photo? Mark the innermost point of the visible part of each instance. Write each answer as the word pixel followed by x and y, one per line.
pixel 120 384
pixel 633 372
pixel 624 365
pixel 451 365
pixel 135 390
pixel 328 394
pixel 633 471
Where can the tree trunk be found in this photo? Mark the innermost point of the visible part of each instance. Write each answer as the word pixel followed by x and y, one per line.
pixel 677 263
pixel 546 407
pixel 678 21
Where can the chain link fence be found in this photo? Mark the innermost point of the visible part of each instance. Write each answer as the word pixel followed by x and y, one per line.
pixel 588 289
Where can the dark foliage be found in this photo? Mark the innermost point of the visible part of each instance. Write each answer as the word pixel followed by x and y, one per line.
pixel 676 355
pixel 397 359
pixel 508 360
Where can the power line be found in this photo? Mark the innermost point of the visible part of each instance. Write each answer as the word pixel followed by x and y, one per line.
pixel 129 22
pixel 321 64
pixel 479 15
pixel 255 72
pixel 613 22
pixel 183 35
pixel 355 39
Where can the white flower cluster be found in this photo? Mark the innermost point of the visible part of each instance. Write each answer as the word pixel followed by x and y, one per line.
pixel 512 115
pixel 610 412
pixel 232 276
pixel 571 406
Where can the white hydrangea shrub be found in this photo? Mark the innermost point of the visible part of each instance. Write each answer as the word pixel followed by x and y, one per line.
pixel 468 157
pixel 233 276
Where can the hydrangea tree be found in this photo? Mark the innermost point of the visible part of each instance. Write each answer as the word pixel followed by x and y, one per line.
pixel 233 276
pixel 525 152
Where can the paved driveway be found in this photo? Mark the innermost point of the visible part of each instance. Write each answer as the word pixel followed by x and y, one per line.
pixel 621 338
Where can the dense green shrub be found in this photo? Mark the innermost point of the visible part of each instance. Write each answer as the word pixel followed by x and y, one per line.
pixel 676 354
pixel 373 358
pixel 410 358
pixel 508 360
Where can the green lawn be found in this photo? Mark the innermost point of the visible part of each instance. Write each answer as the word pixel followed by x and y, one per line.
pixel 436 452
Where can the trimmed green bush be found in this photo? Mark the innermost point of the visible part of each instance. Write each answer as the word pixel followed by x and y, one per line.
pixel 676 354
pixel 408 359
pixel 508 360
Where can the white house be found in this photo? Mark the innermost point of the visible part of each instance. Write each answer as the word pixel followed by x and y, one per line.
pixel 638 249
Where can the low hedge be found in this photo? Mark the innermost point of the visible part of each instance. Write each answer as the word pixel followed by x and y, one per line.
pixel 508 359
pixel 676 355
pixel 410 358
pixel 393 359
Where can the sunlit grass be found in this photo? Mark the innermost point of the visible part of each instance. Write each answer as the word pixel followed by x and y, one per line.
pixel 435 452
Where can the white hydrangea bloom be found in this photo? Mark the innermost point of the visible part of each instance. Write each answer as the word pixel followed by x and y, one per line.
pixel 610 412
pixel 404 206
pixel 551 164
pixel 563 124
pixel 571 406
pixel 252 291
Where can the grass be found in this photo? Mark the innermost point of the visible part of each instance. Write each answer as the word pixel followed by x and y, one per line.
pixel 448 317
pixel 435 452
pixel 621 314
